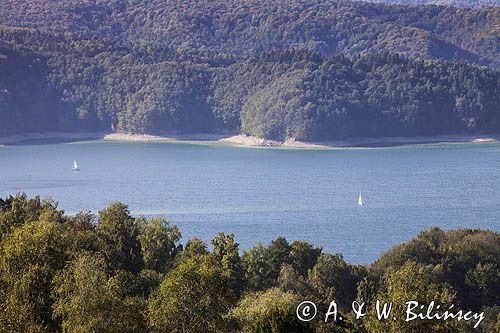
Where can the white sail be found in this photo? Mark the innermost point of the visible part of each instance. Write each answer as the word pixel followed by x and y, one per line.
pixel 360 200
pixel 75 166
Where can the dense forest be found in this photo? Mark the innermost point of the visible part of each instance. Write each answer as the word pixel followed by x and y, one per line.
pixel 243 27
pixel 117 273
pixel 308 70
pixel 458 3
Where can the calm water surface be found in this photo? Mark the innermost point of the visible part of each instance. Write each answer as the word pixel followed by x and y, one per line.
pixel 259 194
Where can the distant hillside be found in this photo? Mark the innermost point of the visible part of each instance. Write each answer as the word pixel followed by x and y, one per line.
pixel 87 84
pixel 245 27
pixel 27 101
pixel 457 3
pixel 310 70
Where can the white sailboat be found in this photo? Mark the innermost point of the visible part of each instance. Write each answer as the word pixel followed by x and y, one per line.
pixel 361 202
pixel 75 166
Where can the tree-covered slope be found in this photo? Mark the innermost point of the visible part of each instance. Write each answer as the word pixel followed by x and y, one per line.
pixel 243 27
pixel 287 69
pixel 457 3
pixel 28 102
pixel 307 96
pixel 298 94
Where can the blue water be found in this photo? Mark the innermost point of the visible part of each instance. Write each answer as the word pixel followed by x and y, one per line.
pixel 259 194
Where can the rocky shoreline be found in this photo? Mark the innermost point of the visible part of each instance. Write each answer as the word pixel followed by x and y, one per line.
pixel 238 140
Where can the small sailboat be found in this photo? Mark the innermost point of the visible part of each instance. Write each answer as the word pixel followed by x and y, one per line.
pixel 361 202
pixel 75 166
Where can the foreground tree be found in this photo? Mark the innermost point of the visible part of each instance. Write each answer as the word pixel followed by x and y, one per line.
pixel 65 274
pixel 279 255
pixel 18 210
pixel 158 243
pixel 194 297
pixel 194 247
pixel 120 232
pixel 270 311
pixel 467 259
pixel 332 278
pixel 303 256
pixel 29 259
pixel 226 252
pixel 258 268
pixel 87 300
pixel 81 233
pixel 412 282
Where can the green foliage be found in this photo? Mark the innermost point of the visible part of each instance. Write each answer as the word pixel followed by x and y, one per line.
pixel 303 256
pixel 87 300
pixel 375 95
pixel 158 244
pixel 120 232
pixel 484 283
pixel 458 3
pixel 29 258
pixel 492 319
pixel 466 259
pixel 333 279
pixel 309 70
pixel 19 210
pixel 270 311
pixel 412 282
pixel 27 102
pixel 279 254
pixel 192 298
pixel 289 280
pixel 126 274
pixel 236 27
pixel 263 265
pixel 194 247
pixel 257 268
pixel 226 252
pixel 279 110
pixel 81 233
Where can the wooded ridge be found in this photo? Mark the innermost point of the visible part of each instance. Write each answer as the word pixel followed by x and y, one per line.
pixel 287 69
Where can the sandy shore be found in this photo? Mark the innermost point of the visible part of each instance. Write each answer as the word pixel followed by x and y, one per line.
pixel 250 141
pixel 239 140
pixel 163 137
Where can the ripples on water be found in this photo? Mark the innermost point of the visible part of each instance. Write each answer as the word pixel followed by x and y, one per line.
pixel 259 194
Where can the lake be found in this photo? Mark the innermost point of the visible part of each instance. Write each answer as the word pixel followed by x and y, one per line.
pixel 259 194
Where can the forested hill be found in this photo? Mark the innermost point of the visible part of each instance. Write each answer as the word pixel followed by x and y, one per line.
pixel 245 27
pixel 457 3
pixel 82 84
pixel 286 69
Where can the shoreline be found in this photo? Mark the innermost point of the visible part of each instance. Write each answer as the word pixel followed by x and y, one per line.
pixel 240 140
